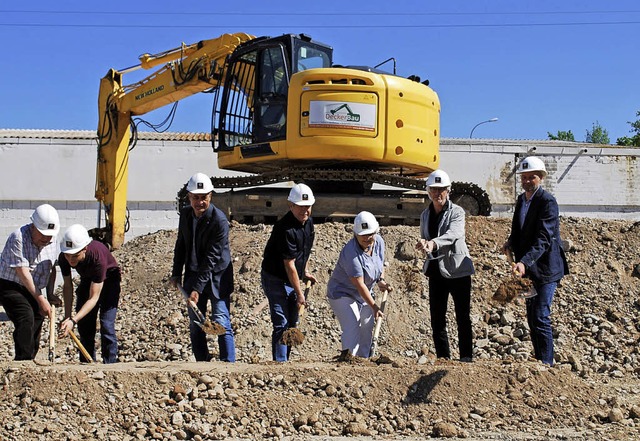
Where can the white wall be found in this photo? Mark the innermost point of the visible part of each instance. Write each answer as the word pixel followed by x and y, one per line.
pixel 58 167
pixel 586 179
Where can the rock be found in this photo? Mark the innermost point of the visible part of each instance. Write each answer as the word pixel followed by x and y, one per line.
pixel 616 415
pixel 444 430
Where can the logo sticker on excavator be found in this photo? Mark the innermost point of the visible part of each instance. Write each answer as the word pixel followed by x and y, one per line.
pixel 344 115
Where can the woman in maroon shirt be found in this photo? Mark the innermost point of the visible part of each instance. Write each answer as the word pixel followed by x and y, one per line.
pixel 98 291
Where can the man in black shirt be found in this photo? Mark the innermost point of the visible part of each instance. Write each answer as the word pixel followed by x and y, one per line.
pixel 284 266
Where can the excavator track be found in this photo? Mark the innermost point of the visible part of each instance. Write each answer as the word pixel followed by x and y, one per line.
pixel 471 197
pixel 307 174
pixel 246 199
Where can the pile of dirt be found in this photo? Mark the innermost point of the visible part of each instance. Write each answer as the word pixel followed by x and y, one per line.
pixel 159 392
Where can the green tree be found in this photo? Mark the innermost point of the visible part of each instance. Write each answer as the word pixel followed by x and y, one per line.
pixel 597 135
pixel 561 136
pixel 632 141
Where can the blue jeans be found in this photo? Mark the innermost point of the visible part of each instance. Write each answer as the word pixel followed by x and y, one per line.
pixel 219 314
pixel 283 306
pixel 107 307
pixel 538 312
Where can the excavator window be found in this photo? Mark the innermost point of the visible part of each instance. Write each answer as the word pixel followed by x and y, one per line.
pixel 271 105
pixel 308 57
pixel 253 105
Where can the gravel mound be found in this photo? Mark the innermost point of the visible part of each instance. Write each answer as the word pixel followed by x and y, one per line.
pixel 159 392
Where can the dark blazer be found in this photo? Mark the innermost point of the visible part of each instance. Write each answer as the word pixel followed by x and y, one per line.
pixel 215 271
pixel 537 244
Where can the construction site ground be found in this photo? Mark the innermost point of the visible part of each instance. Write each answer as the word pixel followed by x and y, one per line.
pixel 157 391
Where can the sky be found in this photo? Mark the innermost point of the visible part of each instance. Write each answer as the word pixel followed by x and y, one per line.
pixel 538 66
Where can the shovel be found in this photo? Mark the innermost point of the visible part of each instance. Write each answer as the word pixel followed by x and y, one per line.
pixel 52 334
pixel 202 322
pixel 378 326
pixel 531 291
pixel 514 287
pixel 293 336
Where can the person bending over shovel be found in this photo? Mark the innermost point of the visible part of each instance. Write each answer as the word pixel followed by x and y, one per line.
pixel 359 269
pixel 284 266
pixel 26 269
pixel 98 291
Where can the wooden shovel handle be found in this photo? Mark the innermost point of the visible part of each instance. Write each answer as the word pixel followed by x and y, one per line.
pixel 378 326
pixel 83 351
pixel 52 334
pixel 307 287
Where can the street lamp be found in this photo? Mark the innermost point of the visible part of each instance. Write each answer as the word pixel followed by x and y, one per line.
pixel 483 122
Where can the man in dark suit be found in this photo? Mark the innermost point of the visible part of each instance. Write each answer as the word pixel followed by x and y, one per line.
pixel 202 249
pixel 537 249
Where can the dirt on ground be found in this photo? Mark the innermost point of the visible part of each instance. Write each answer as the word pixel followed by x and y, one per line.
pixel 158 391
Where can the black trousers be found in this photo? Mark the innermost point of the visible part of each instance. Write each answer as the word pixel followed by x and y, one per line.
pixel 460 290
pixel 23 310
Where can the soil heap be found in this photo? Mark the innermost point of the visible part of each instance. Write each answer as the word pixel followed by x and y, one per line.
pixel 157 391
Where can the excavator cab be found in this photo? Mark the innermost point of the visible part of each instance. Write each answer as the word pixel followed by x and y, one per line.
pixel 250 110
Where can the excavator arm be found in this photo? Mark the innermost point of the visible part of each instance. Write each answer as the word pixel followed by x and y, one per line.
pixel 185 71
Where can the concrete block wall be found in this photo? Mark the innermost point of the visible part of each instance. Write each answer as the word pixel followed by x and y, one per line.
pixel 65 177
pixel 58 167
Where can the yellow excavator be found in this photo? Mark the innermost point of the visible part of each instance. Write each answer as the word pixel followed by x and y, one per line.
pixel 281 111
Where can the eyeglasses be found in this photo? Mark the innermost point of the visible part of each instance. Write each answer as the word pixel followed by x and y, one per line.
pixel 438 189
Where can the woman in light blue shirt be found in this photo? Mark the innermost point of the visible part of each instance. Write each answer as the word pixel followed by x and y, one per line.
pixel 359 269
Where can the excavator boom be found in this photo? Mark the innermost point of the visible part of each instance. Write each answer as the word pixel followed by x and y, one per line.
pixel 189 70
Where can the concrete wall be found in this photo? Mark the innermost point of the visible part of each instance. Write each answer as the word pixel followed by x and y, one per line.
pixel 58 167
pixel 586 179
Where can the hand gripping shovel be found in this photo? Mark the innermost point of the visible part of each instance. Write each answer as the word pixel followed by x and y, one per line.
pixel 202 322
pixel 376 330
pixel 293 336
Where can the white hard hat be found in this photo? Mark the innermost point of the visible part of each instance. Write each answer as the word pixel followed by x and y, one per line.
pixel 301 195
pixel 531 164
pixel 45 219
pixel 365 223
pixel 199 184
pixel 438 178
pixel 74 239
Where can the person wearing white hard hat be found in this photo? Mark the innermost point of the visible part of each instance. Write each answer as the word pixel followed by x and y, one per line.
pixel 359 270
pixel 97 294
pixel 537 250
pixel 285 266
pixel 27 267
pixel 448 266
pixel 203 254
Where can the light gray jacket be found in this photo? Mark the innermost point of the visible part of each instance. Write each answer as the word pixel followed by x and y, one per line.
pixel 449 242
